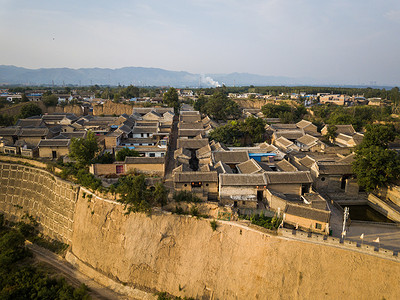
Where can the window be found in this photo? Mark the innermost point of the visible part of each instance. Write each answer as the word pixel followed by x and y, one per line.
pixel 185 184
pixel 152 155
pixel 142 134
pixel 244 202
pixel 196 184
pixel 322 178
pixel 318 226
pixel 162 154
pixel 120 169
pixel 206 184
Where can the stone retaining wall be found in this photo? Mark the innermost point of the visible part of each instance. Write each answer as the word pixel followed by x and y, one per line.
pixel 334 241
pixel 28 190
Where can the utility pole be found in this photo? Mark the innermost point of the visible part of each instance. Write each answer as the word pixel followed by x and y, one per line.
pixel 345 217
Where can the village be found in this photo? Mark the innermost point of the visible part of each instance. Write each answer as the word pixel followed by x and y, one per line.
pixel 299 173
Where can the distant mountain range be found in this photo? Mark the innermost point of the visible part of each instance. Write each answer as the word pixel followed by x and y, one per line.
pixel 10 75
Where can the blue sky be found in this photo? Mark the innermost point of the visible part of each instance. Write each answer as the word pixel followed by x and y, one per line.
pixel 353 42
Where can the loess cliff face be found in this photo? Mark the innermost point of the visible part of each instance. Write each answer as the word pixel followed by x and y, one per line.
pixel 183 256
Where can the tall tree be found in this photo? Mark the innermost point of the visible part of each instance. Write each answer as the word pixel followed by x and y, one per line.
pixel 134 193
pixel 50 100
pixel 83 150
pixel 375 165
pixel 171 99
pixel 30 110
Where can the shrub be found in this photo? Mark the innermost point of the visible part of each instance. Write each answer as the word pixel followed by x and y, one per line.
pixel 214 225
pixel 184 196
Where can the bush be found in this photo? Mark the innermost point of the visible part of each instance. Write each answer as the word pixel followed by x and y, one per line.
pixel 184 196
pixel 214 225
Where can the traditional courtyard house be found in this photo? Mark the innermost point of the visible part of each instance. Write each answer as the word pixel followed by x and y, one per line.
pixel 289 183
pixel 9 135
pixel 291 135
pixel 143 131
pixel 307 218
pixel 310 143
pixel 112 140
pixel 32 136
pixel 285 166
pixel 286 145
pixel 190 116
pixel 203 184
pixel 54 148
pixel 252 167
pixel 144 165
pixel 345 129
pixel 308 127
pixel 138 142
pixel 231 158
pixel 30 122
pixel 182 156
pixel 192 144
pixel 334 177
pixel 150 151
pixel 242 190
pixel 152 115
pixel 56 119
pixel 343 140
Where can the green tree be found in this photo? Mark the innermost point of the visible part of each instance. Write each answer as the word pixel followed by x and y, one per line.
pixel 83 150
pixel 331 133
pixel 160 194
pixel 171 99
pixel 124 152
pixel 220 107
pixel 131 92
pixel 24 98
pixel 378 135
pixel 200 104
pixel 50 100
pixel 376 167
pixel 30 110
pixel 134 193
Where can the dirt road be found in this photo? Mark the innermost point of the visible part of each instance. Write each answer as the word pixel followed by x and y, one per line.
pixel 73 276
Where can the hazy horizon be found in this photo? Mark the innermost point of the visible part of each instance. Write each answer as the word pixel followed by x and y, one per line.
pixel 332 41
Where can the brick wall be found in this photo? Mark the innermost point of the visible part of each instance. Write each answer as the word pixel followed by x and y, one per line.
pixel 28 190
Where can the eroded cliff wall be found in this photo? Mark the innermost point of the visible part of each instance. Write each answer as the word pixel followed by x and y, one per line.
pixel 32 191
pixel 185 257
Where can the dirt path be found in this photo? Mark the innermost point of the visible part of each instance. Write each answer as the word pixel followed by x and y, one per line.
pixel 73 276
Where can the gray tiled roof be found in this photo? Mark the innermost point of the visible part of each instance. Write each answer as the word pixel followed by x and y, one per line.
pixel 242 179
pixel 308 212
pixel 189 132
pixel 223 168
pixel 289 134
pixel 334 168
pixel 248 167
pixel 33 132
pixel 307 140
pixel 285 166
pixel 230 157
pixel 197 125
pixel 144 129
pixel 30 123
pixel 144 160
pixel 191 143
pixel 9 131
pixel 196 176
pixel 54 143
pixel 288 177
